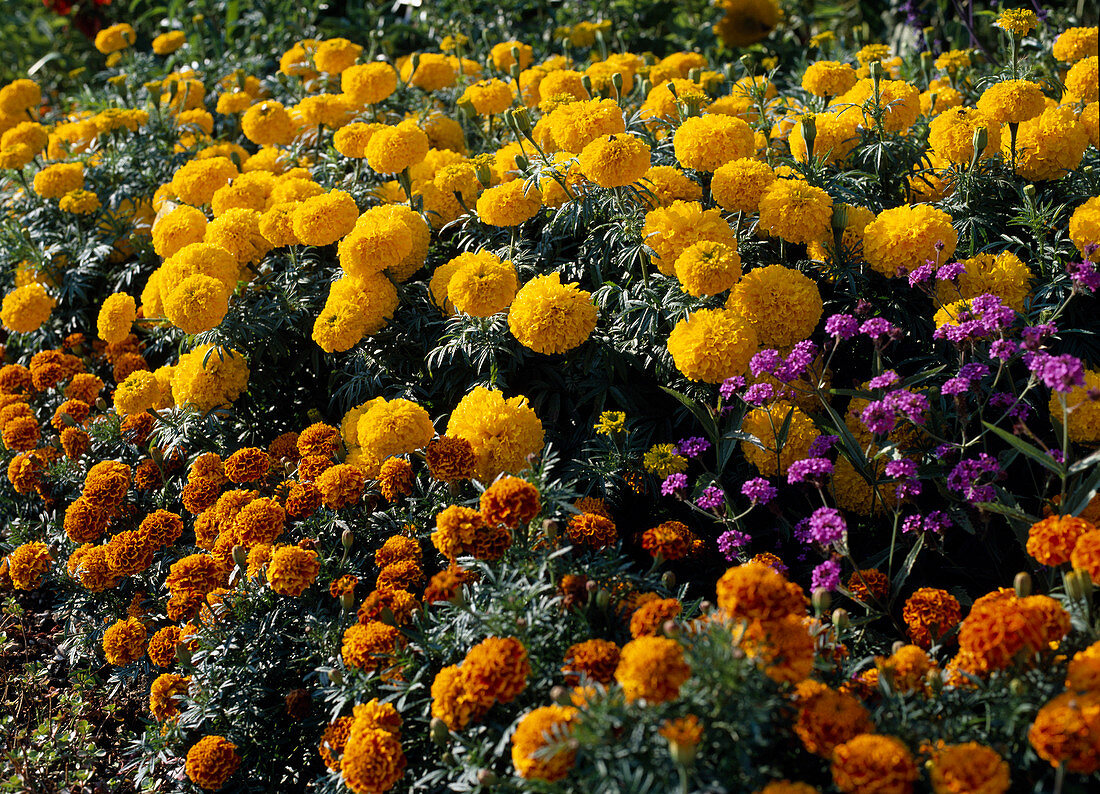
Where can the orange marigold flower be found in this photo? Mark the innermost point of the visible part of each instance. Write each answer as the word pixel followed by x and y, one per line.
pixel 345 585
pixel 1083 674
pixel 869 585
pixel 333 741
pixel 163 694
pixel 161 528
pixel 291 569
pixel 929 614
pixel 649 618
pixel 450 458
pixel 591 530
pixel 872 763
pixel 401 604
pixel 395 478
pixel 595 660
pixel 85 523
pixel 400 575
pixel 1051 540
pixel 368 646
pixel 397 549
pixel 250 464
pixel 124 642
pixel 540 747
pixel 211 761
pixel 129 553
pixel 341 485
pixel 510 501
pixel 447 584
pixel 671 540
pixel 1086 554
pixel 783 647
pixel 319 439
pixel 969 768
pixel 1065 731
pixel 162 646
pixel 106 484
pixel 755 591
pixel 653 669
pixel 827 718
pixel 76 442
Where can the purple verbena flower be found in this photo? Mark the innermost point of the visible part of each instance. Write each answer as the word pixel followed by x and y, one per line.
pixel 758 490
pixel 878 417
pixel 1059 373
pixel 821 446
pixel 903 467
pixel 921 274
pixel 1084 275
pixel 827 526
pixel 767 360
pixel 759 393
pixel 693 447
pixel 950 271
pixel 674 484
pixel 841 326
pixel 730 541
pixel 877 327
pixel 826 576
pixel 885 380
pixel 730 386
pixel 1004 349
pixel 964 478
pixel 711 498
pixel 809 470
pixel 955 386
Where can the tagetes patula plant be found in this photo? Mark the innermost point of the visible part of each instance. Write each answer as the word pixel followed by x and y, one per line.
pixel 401 411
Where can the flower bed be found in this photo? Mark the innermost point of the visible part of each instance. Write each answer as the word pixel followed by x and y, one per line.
pixel 538 415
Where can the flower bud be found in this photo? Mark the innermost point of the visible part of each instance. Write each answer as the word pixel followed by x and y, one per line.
pixel 603 599
pixel 560 695
pixel 822 600
pixel 617 81
pixel 877 71
pixel 487 777
pixel 981 140
pixel 347 601
pixel 438 731
pixel 183 654
pixel 347 537
pixel 1022 584
pixel 336 676
pixel 522 119
pixel 240 556
pixel 807 125
pixel 586 81
pixel 841 619
pixel 668 580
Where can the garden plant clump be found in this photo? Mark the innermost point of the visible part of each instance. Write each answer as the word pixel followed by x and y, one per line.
pixel 702 404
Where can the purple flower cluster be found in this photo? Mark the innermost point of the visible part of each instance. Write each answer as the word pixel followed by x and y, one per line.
pixel 1034 336
pixel 693 447
pixel 964 381
pixel 731 386
pixel 767 360
pixel 880 416
pixel 797 362
pixel 986 317
pixel 883 381
pixel 950 271
pixel 674 485
pixel 905 470
pixel 964 478
pixel 758 490
pixel 935 521
pixel 842 326
pixel 822 446
pixel 1058 373
pixel 730 541
pixel 711 498
pixel 826 576
pixel 922 274
pixel 878 327
pixel 1013 407
pixel 809 470
pixel 759 393
pixel 1084 275
pixel 827 526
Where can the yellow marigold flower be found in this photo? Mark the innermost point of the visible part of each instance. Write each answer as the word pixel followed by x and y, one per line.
pixel 182 226
pixel 951 135
pixel 1074 44
pixel 267 123
pixel 907 237
pixel 18 96
pixel 540 748
pixel 899 100
pixel 25 308
pixel 352 139
pixel 765 424
pixel 783 304
pixel 1063 732
pixel 1017 21
pixel 324 219
pixel 739 185
pixel 1003 275
pixel 211 761
pixel 711 345
pixel 653 669
pixel 501 55
pixel 377 241
pixel 837 134
pixel 663 460
pixel 1084 227
pixel 333 56
pixel 394 427
pixel 577 124
pixel 502 433
pixel 30 133
pixel 197 304
pixel 393 149
pixel 488 97
pixel 670 230
pixel 369 83
pixel 138 393
pixel 509 204
pixel 248 191
pixel 665 184
pixel 28 564
pixel 615 160
pixel 610 422
pixel 481 284
pixel 1012 101
pixel 202 259
pixel 292 570
pixel 550 317
pixel 872 762
pixel 79 202
pixel 196 181
pixel 237 230
pixel 167 43
pixel 828 78
pixel 124 642
pixel 1081 81
pixel 707 268
pixel 115 38
pixel 704 143
pixel 1049 145
pixel 209 377
pixel 795 211
pixel 355 308
pixel 1084 412
pixel 54 181
pixel 433 71
pixel 746 21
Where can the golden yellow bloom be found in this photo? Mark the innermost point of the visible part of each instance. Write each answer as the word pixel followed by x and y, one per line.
pixel 115 37
pixel 481 284
pixel 550 317
pixel 712 344
pixel 615 160
pixel 26 308
pixel 502 433
pixel 704 143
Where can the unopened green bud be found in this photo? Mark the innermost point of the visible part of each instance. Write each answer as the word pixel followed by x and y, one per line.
pixel 877 71
pixel 603 599
pixel 586 81
pixel 617 81
pixel 240 556
pixel 336 676
pixel 822 600
pixel 840 218
pixel 522 163
pixel 487 777
pixel 522 118
pixel 347 537
pixel 807 125
pixel 438 731
pixel 981 140
pixel 347 601
pixel 841 619
pixel 668 580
